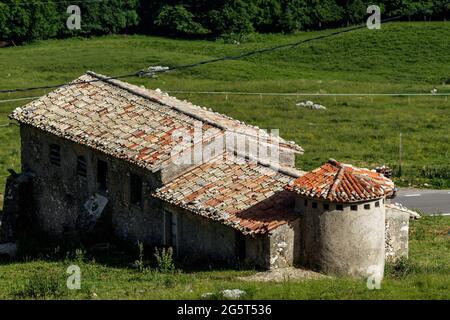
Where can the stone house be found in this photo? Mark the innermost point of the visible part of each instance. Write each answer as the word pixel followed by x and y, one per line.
pixel 168 173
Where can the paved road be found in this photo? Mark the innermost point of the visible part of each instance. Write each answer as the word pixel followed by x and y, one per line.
pixel 428 201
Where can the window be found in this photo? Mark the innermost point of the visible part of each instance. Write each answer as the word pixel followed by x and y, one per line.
pixel 339 207
pixel 354 207
pixel 55 155
pixel 326 206
pixel 314 205
pixel 377 204
pixel 367 206
pixel 102 175
pixel 306 203
pixel 81 166
pixel 135 189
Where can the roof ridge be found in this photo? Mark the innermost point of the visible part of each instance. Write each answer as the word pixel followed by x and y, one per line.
pixel 337 180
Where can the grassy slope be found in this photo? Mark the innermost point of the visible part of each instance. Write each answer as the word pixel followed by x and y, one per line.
pixel 427 277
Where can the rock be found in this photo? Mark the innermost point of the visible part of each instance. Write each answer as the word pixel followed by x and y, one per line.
pixel 310 105
pixel 207 295
pixel 233 294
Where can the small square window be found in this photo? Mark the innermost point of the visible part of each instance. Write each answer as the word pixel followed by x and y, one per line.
pixel 326 206
pixel 135 189
pixel 55 155
pixel 354 207
pixel 367 206
pixel 314 205
pixel 377 204
pixel 339 207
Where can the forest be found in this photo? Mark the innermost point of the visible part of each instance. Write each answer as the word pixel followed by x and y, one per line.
pixel 27 20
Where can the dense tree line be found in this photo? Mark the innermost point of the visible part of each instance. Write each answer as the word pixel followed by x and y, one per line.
pixel 23 20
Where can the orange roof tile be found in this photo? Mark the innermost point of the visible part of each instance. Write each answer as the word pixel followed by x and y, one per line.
pixel 244 195
pixel 342 183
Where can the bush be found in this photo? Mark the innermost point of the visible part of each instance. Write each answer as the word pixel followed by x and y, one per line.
pixel 178 20
pixel 164 260
pixel 41 285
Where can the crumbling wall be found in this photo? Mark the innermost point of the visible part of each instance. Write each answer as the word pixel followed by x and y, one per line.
pixel 61 194
pixel 283 248
pixel 397 234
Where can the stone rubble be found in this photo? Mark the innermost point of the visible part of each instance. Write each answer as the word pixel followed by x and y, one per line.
pixel 311 105
pixel 233 294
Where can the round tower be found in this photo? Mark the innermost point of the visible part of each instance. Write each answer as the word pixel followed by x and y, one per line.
pixel 342 211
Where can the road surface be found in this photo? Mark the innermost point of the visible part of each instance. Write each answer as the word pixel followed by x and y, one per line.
pixel 428 201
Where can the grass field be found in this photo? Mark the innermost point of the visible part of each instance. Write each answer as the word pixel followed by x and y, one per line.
pixel 364 130
pixel 425 276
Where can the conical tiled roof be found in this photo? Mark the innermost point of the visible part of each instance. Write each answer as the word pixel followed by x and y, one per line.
pixel 342 183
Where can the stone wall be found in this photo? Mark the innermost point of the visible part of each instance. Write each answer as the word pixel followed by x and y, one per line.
pixel 397 234
pixel 61 194
pixel 285 246
pixel 343 242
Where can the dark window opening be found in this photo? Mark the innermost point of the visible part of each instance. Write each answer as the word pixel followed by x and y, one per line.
pixel 367 206
pixel 55 155
pixel 354 207
pixel 167 229
pixel 102 175
pixel 135 189
pixel 377 204
pixel 81 166
pixel 240 246
pixel 314 205
pixel 326 206
pixel 340 207
pixel 306 203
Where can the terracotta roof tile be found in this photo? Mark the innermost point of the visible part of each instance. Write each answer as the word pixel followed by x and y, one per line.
pixel 236 197
pixel 342 183
pixel 119 119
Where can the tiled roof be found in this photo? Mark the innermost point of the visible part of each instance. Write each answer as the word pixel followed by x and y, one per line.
pixel 124 120
pixel 342 183
pixel 238 193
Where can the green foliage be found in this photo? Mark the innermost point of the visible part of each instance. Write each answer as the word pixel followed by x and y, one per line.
pixel 41 285
pixel 178 20
pixel 42 20
pixel 400 268
pixel 164 260
pixel 140 261
pixel 36 19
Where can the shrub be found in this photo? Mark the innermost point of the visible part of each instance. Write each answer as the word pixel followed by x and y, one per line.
pixel 140 261
pixel 41 285
pixel 164 260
